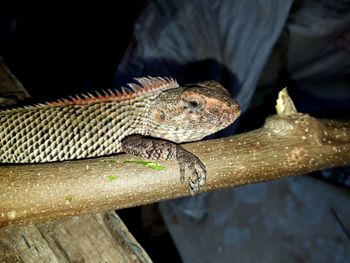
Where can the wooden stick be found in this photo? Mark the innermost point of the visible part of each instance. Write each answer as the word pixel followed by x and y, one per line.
pixel 84 238
pixel 289 143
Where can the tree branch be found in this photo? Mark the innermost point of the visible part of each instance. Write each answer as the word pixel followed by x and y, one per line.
pixel 289 143
pixel 84 238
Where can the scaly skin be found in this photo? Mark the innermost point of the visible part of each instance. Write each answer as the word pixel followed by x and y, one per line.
pixel 98 125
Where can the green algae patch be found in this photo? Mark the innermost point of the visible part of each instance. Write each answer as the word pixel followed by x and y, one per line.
pixel 68 199
pixel 148 164
pixel 112 177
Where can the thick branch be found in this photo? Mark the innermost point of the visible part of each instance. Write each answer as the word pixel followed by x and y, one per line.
pixel 288 144
pixel 85 238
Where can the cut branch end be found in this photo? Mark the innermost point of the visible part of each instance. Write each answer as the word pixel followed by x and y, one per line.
pixel 284 104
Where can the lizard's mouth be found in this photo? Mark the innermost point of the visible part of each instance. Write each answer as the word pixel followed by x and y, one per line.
pixel 233 114
pixel 223 117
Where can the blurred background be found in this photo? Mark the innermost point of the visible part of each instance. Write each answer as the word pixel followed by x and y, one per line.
pixel 254 48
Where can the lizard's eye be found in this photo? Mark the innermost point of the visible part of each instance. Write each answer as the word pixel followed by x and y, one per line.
pixel 192 101
pixel 194 104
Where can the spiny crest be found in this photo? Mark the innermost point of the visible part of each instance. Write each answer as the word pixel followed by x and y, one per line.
pixel 145 85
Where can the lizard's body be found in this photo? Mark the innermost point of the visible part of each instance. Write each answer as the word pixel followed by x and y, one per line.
pixel 98 125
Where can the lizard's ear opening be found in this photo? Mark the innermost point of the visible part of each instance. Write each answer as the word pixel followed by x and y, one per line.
pixel 160 116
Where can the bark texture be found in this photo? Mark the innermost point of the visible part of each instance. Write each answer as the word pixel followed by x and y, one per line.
pixel 289 143
pixel 85 238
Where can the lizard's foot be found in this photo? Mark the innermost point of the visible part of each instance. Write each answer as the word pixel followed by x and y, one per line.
pixel 190 162
pixel 164 150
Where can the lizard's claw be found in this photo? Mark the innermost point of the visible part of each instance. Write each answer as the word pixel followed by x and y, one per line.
pixel 189 161
pixel 182 174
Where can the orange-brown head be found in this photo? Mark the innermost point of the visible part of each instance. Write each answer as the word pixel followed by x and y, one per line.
pixel 191 112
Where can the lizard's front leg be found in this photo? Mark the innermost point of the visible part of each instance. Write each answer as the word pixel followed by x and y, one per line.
pixel 157 149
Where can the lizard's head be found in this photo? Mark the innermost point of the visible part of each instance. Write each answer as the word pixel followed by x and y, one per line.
pixel 192 112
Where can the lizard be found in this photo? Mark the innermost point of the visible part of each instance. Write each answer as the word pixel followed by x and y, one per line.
pixel 148 119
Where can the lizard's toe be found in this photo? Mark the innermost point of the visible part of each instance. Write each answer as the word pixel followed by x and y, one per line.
pixel 182 174
pixel 195 167
pixel 201 173
pixel 198 177
pixel 193 186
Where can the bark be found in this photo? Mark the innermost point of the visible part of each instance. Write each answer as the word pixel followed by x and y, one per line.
pixel 289 143
pixel 85 238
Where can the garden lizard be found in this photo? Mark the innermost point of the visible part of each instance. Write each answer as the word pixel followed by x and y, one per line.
pixel 147 120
